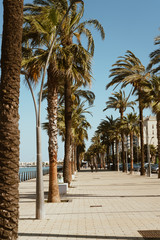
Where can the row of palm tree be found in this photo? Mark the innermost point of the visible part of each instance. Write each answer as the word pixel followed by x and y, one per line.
pixel 49 33
pixel 69 65
pixel 109 133
pixel 145 85
pixel 51 42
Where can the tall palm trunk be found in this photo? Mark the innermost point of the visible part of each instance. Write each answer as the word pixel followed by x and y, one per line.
pixel 68 125
pixel 75 157
pixel 158 135
pixel 113 157
pixel 72 161
pixel 141 138
pixel 78 160
pixel 117 155
pixel 108 160
pixel 53 195
pixel 131 151
pixel 123 152
pixel 9 118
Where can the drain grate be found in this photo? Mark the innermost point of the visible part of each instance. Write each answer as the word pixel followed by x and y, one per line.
pixel 96 206
pixel 66 200
pixel 150 234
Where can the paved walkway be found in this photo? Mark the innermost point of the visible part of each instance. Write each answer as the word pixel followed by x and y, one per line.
pixel 103 205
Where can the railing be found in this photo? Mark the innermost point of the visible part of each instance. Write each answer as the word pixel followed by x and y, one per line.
pixel 28 174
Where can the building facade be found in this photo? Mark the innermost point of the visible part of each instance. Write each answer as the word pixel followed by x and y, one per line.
pixel 150 131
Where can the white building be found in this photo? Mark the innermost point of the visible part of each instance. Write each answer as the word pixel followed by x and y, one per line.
pixel 150 130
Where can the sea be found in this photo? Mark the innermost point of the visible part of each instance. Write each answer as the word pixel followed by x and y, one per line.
pixel 30 169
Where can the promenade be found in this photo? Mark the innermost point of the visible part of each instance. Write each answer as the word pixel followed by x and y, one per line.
pixel 101 205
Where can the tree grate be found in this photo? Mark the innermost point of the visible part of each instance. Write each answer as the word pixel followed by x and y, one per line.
pixel 96 206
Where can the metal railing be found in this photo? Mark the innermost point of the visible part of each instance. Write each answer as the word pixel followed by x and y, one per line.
pixel 27 175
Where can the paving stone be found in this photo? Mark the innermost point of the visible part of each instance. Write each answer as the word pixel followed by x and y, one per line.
pixel 104 205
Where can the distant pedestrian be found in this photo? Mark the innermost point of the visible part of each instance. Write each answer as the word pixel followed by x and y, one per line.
pixel 95 167
pixel 91 167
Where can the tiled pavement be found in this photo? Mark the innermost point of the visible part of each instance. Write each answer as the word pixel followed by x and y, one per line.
pixel 103 205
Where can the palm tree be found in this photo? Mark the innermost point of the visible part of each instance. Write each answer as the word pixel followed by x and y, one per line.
pixel 154 58
pixel 131 124
pixel 152 97
pixel 73 27
pixel 119 101
pixel 107 131
pixel 130 70
pixel 118 132
pixel 40 30
pixel 153 87
pixel 9 124
pixel 79 130
pixel 104 130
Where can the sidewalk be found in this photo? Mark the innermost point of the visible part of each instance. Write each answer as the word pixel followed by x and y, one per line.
pixel 102 205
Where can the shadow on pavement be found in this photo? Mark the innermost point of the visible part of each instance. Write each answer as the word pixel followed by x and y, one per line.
pixel 110 196
pixel 77 236
pixel 30 196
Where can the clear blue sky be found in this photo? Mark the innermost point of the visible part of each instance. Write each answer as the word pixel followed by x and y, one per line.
pixel 129 25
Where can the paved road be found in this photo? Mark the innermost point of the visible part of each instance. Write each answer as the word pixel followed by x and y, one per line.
pixel 102 205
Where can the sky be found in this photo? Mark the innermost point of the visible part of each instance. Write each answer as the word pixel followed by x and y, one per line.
pixel 128 25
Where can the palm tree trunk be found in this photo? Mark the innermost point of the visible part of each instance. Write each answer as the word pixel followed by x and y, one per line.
pixel 78 162
pixel 9 118
pixel 141 138
pixel 117 155
pixel 123 153
pixel 131 151
pixel 75 157
pixel 72 168
pixel 108 161
pixel 122 139
pixel 53 194
pixel 68 125
pixel 113 157
pixel 158 135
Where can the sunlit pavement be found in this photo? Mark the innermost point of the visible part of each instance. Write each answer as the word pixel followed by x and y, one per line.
pixel 102 205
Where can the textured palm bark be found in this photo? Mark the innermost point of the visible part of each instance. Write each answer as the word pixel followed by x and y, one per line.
pixel 142 139
pixel 107 160
pixel 158 135
pixel 131 151
pixel 9 118
pixel 68 125
pixel 75 157
pixel 72 161
pixel 53 194
pixel 123 153
pixel 113 157
pixel 117 155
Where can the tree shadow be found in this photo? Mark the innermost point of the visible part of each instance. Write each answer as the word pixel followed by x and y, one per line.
pixel 29 196
pixel 77 236
pixel 28 219
pixel 111 196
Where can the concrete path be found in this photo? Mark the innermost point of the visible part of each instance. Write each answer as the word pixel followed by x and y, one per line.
pixel 102 205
